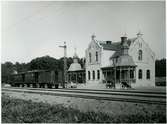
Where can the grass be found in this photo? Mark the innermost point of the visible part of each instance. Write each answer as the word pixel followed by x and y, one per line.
pixel 21 111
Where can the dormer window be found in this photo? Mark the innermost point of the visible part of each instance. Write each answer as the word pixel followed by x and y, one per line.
pixel 140 55
pixel 96 56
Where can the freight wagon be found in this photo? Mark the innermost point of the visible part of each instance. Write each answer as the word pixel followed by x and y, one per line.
pixel 37 79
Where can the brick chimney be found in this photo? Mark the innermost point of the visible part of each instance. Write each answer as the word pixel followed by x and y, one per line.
pixel 123 40
pixel 108 42
pixel 124 45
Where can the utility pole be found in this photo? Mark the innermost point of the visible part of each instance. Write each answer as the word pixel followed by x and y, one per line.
pixel 65 64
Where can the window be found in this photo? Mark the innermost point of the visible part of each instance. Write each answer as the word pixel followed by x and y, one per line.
pixel 131 74
pixel 98 74
pixel 97 56
pixel 116 59
pixel 88 75
pixel 140 74
pixel 93 74
pixel 148 74
pixel 140 55
pixel 90 57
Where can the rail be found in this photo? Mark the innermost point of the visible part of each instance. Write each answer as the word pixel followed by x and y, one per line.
pixel 99 95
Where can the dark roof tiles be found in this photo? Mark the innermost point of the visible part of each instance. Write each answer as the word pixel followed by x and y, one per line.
pixel 111 46
pixel 125 61
pixel 115 46
pixel 116 54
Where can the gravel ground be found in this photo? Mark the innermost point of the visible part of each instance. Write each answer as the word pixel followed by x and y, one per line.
pixel 101 86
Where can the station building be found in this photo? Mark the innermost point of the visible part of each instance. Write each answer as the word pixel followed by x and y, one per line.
pixel 129 62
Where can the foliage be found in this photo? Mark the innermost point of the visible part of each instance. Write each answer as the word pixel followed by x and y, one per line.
pixel 22 67
pixel 82 62
pixel 40 63
pixel 160 68
pixel 6 69
pixel 50 63
pixel 21 111
pixel 69 61
pixel 44 63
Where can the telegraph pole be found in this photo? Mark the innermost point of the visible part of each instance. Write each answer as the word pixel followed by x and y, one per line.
pixel 65 63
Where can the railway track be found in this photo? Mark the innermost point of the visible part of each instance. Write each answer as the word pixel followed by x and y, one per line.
pixel 163 92
pixel 136 93
pixel 134 96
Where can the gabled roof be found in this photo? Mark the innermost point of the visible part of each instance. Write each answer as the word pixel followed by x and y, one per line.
pixel 115 46
pixel 112 46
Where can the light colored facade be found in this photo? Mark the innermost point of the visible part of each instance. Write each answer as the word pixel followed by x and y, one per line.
pixel 99 53
pixel 147 62
pixel 93 61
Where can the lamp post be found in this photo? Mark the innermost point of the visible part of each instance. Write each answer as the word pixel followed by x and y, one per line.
pixel 65 63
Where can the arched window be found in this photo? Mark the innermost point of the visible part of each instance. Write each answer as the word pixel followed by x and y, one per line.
pixel 89 75
pixel 148 74
pixel 97 56
pixel 140 55
pixel 98 74
pixel 90 57
pixel 93 75
pixel 140 74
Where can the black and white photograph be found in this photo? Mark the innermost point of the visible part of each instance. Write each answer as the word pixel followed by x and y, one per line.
pixel 83 61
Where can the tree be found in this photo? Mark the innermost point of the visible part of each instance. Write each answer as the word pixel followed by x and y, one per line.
pixel 82 62
pixel 69 61
pixel 39 63
pixel 22 67
pixel 160 68
pixel 6 69
pixel 61 62
pixel 44 63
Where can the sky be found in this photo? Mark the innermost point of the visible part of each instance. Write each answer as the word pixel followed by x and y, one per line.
pixel 35 29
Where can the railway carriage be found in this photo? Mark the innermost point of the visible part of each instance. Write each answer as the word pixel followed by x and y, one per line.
pixel 16 80
pixel 37 79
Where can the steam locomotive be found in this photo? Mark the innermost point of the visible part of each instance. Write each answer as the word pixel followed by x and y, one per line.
pixel 37 79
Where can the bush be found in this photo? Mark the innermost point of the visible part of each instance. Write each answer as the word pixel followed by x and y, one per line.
pixel 21 111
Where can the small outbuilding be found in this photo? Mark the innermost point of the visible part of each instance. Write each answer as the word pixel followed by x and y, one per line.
pixel 75 73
